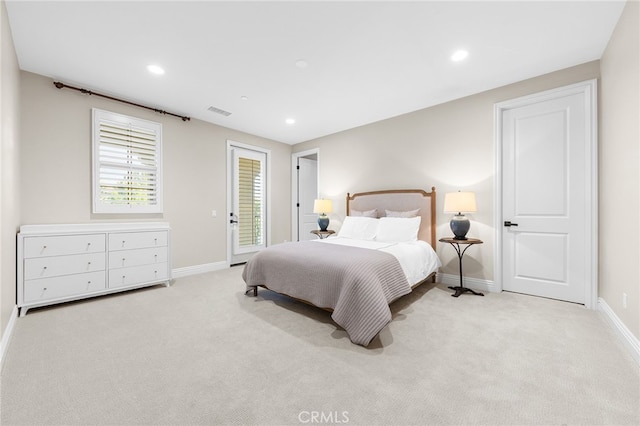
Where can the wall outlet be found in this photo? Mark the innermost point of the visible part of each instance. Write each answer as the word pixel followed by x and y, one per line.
pixel 214 213
pixel 624 300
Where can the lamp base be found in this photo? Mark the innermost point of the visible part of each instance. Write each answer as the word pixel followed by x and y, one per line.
pixel 323 222
pixel 460 226
pixel 461 290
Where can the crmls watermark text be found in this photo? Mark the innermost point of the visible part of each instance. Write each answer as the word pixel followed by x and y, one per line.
pixel 323 417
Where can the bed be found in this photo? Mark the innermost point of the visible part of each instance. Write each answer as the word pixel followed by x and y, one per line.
pixel 384 249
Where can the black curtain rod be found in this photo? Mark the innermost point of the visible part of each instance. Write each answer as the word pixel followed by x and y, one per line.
pixel 60 85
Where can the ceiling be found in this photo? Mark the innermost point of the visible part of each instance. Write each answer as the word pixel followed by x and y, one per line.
pixel 365 60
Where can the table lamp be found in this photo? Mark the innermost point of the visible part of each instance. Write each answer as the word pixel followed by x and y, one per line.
pixel 323 207
pixel 459 202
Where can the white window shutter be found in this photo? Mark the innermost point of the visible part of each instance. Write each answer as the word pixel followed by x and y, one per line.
pixel 127 164
pixel 251 202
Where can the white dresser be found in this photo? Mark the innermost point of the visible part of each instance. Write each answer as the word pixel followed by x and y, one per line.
pixel 59 263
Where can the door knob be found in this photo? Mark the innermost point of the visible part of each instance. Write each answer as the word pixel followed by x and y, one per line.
pixel 508 223
pixel 231 221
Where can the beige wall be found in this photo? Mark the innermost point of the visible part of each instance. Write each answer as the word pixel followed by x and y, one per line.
pixel 56 170
pixel 449 146
pixel 619 163
pixel 9 169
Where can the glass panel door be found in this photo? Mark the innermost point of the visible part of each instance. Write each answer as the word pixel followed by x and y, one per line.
pixel 249 201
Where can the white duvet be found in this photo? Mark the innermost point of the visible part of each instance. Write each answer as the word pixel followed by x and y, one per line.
pixel 417 258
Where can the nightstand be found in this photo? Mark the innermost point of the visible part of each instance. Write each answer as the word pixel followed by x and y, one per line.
pixel 323 234
pixel 456 245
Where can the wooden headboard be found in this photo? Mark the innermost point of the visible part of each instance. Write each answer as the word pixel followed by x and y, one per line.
pixel 400 200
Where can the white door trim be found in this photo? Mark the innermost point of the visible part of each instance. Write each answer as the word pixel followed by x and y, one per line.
pixel 589 88
pixel 294 185
pixel 230 145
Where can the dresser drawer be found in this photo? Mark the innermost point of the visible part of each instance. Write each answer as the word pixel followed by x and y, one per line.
pixel 136 240
pixel 70 285
pixel 137 275
pixel 45 267
pixel 127 258
pixel 59 245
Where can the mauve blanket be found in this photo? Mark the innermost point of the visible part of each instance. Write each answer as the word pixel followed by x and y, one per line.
pixel 357 283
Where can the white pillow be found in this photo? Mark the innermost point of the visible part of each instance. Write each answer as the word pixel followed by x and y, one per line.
pixel 410 213
pixel 366 213
pixel 398 229
pixel 359 227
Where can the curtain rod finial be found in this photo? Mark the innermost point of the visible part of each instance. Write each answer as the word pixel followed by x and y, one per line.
pixel 58 84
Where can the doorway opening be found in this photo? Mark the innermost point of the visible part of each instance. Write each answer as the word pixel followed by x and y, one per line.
pixel 305 168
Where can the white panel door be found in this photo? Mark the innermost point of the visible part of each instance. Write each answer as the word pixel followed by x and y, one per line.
pixel 307 193
pixel 546 203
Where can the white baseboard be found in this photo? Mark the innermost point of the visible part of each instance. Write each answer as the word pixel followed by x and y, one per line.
pixel 6 335
pixel 630 341
pixel 198 269
pixel 473 283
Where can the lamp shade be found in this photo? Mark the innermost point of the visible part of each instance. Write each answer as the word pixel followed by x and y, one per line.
pixel 458 202
pixel 322 206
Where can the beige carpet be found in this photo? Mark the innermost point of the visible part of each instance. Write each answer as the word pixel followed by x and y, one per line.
pixel 202 353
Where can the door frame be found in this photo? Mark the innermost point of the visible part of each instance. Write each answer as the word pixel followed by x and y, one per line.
pixel 267 215
pixel 294 185
pixel 589 89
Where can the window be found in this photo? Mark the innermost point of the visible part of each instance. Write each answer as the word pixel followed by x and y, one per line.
pixel 127 166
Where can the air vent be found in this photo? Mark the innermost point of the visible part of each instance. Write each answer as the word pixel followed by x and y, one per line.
pixel 219 111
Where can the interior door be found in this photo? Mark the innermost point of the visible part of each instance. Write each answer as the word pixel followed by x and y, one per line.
pixel 307 193
pixel 247 217
pixel 547 179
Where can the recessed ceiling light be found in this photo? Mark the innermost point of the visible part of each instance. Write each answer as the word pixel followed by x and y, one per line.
pixel 155 69
pixel 290 121
pixel 301 63
pixel 459 55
